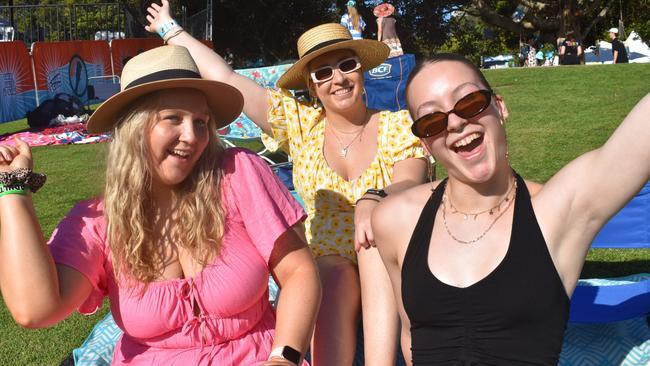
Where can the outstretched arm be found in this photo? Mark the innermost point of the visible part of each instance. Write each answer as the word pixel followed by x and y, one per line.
pixel 575 203
pixel 214 67
pixel 37 292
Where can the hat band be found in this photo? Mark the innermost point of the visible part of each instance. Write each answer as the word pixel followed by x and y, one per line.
pixel 164 75
pixel 324 44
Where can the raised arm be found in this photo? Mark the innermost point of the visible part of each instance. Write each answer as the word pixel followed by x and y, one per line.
pixel 214 67
pixel 37 292
pixel 574 205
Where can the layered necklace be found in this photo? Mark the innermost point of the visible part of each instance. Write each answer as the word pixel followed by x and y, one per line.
pixel 496 209
pixel 344 148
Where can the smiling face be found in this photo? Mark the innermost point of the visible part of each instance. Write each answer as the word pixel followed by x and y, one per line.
pixel 178 135
pixel 470 149
pixel 344 90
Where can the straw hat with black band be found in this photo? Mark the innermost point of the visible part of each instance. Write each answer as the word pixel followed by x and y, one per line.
pixel 327 38
pixel 166 67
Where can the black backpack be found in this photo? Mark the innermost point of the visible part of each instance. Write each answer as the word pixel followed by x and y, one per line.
pixel 62 103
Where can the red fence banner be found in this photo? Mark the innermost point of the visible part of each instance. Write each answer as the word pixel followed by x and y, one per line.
pixel 17 95
pixel 68 67
pixel 123 49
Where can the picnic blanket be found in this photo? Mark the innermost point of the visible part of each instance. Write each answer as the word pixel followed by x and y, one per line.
pixel 61 135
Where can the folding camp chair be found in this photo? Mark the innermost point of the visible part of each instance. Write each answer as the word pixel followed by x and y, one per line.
pixel 609 302
pixel 608 318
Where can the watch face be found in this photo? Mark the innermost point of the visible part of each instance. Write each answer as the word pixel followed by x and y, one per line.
pixel 291 354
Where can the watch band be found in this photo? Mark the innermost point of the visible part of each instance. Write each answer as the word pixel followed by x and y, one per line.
pixel 286 352
pixel 377 192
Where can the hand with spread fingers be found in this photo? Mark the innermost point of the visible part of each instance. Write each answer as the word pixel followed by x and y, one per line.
pixel 158 15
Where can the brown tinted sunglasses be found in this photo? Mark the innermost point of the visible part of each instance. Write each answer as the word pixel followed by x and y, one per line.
pixel 466 107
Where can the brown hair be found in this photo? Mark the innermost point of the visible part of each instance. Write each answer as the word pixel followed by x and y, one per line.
pixel 421 64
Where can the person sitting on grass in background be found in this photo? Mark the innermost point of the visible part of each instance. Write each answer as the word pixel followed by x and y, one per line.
pixel 346 158
pixel 183 240
pixel 484 261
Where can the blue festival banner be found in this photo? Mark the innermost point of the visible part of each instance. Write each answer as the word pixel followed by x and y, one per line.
pixel 17 95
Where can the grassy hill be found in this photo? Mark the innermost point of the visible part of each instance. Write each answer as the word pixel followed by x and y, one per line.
pixel 556 114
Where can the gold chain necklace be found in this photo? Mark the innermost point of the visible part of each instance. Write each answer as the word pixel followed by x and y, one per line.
pixel 475 214
pixel 343 150
pixel 444 218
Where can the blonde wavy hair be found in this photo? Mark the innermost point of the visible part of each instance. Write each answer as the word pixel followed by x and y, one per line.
pixel 354 15
pixel 198 224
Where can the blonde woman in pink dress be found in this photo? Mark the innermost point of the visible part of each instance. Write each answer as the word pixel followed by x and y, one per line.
pixel 183 240
pixel 346 158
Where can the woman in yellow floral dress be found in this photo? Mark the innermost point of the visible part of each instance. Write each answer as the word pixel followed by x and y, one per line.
pixel 340 150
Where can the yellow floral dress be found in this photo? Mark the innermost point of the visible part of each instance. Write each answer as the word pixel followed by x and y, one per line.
pixel 299 129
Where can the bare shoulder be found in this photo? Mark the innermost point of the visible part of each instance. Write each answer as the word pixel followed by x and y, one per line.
pixel 395 217
pixel 407 200
pixel 533 187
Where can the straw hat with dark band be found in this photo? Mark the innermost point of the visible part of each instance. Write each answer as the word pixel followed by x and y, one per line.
pixel 165 67
pixel 327 38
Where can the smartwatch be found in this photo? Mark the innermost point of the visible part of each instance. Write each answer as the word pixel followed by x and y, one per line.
pixel 286 352
pixel 377 192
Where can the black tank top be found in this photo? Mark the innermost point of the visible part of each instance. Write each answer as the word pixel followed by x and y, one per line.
pixel 516 315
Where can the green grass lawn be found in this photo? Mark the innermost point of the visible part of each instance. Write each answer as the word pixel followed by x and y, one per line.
pixel 556 114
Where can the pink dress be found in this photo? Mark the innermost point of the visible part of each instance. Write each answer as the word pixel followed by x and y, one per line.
pixel 235 325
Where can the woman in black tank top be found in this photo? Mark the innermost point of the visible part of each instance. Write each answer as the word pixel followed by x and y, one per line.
pixel 484 261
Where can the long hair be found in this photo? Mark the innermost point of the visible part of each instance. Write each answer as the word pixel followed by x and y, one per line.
pixel 354 15
pixel 198 224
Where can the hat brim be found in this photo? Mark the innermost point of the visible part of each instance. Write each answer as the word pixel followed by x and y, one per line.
pixel 370 52
pixel 225 101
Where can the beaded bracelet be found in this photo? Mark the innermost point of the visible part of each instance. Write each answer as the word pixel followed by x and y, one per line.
pixel 24 177
pixel 166 27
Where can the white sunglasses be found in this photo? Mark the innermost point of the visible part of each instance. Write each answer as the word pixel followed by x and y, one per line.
pixel 326 73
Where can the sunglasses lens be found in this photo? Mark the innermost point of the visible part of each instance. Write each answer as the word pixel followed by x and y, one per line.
pixel 323 74
pixel 430 124
pixel 348 65
pixel 472 104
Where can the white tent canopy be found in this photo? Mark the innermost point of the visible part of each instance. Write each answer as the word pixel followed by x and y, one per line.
pixel 638 51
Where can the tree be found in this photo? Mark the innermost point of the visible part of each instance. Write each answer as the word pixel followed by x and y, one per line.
pixel 550 19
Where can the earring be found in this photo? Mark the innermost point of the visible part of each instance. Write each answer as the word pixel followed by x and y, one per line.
pixel 314 102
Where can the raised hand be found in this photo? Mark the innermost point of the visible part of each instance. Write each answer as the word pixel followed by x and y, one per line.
pixel 158 15
pixel 12 158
